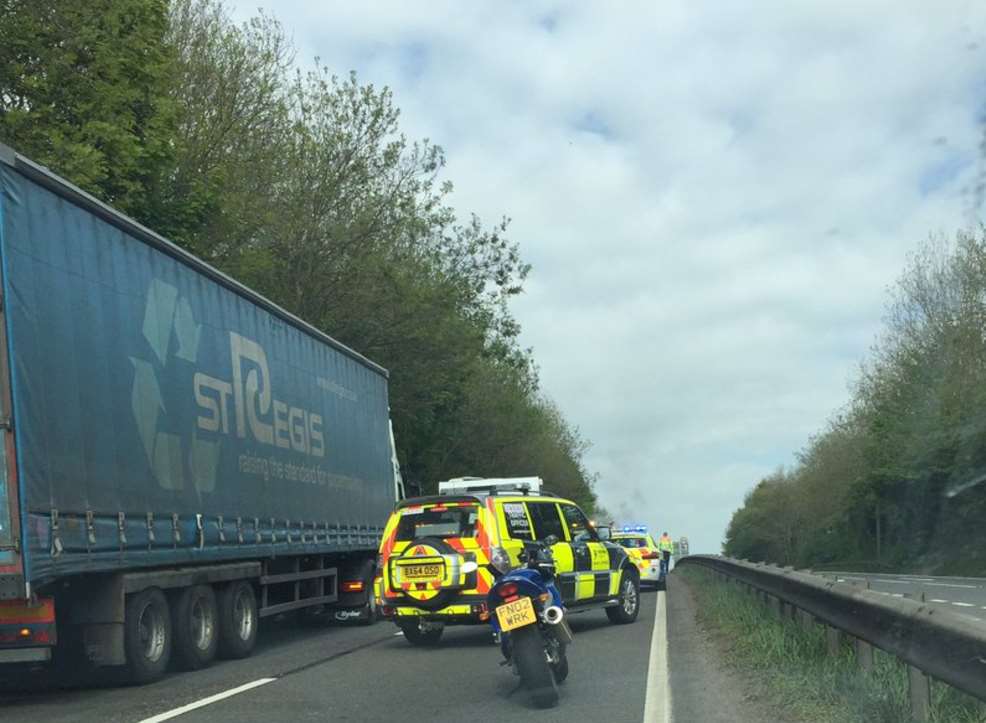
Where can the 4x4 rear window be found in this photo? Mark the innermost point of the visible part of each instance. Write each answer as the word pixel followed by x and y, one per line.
pixel 450 522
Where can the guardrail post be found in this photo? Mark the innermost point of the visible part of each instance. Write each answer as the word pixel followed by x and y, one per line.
pixel 920 685
pixel 864 655
pixel 775 605
pixel 806 619
pixel 833 640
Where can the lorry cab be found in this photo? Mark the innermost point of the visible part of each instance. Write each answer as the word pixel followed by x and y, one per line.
pixel 441 554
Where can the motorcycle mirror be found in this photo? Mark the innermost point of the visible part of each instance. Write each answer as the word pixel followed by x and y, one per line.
pixel 468 567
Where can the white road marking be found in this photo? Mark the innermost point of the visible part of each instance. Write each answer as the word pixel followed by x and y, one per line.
pixel 657 703
pixel 174 713
pixel 964 605
pixel 949 584
pixel 937 600
pixel 398 634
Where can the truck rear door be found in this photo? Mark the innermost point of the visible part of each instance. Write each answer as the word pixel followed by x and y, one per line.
pixel 12 577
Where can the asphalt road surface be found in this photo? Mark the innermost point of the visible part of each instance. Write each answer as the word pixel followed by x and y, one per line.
pixel 661 665
pixel 352 673
pixel 966 595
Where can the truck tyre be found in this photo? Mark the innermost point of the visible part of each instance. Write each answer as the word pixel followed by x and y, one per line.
pixel 237 620
pixel 147 636
pixel 369 614
pixel 418 637
pixel 532 665
pixel 629 606
pixel 195 621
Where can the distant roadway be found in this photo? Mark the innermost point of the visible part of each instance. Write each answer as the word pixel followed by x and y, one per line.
pixel 960 594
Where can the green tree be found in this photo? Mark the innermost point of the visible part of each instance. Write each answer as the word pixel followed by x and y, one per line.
pixel 84 89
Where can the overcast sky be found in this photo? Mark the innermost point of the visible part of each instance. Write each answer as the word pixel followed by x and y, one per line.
pixel 714 199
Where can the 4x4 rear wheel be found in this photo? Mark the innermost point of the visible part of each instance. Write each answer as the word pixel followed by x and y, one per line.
pixel 440 598
pixel 417 635
pixel 629 606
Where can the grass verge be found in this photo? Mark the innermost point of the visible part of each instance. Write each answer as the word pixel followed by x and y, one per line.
pixel 794 672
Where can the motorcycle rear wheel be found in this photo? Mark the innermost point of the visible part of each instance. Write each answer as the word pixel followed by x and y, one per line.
pixel 560 669
pixel 535 672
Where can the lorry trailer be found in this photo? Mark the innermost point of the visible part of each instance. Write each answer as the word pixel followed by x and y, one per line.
pixel 179 456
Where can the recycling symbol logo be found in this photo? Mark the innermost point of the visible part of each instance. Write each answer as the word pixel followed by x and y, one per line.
pixel 176 456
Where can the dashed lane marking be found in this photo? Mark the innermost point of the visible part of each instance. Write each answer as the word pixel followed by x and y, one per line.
pixel 175 712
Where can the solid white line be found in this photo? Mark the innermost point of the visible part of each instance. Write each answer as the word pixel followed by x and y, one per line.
pixel 657 704
pixel 207 701
pixel 948 584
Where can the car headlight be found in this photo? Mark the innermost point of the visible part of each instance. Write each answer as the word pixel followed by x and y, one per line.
pixel 500 560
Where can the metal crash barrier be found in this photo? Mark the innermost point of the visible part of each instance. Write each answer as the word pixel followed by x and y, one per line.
pixel 932 641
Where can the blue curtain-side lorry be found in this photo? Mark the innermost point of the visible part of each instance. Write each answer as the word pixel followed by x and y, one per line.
pixel 180 457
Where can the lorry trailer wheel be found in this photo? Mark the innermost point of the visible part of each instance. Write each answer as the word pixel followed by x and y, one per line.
pixel 147 636
pixel 532 664
pixel 195 622
pixel 237 620
pixel 369 614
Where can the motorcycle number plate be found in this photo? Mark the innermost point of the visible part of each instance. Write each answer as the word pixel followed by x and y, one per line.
pixel 516 614
pixel 421 572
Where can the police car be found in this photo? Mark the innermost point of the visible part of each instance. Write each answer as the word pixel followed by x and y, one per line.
pixel 644 552
pixel 440 555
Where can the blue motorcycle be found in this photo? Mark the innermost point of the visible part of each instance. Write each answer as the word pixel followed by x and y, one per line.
pixel 528 620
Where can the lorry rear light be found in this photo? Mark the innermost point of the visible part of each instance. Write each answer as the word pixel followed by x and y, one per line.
pixel 352 586
pixel 24 612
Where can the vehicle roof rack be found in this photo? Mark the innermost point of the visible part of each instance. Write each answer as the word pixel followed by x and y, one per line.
pixel 491 485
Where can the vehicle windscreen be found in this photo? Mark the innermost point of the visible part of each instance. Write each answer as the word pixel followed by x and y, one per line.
pixel 444 523
pixel 632 542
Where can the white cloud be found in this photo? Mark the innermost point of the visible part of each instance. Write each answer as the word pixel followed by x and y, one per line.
pixel 714 199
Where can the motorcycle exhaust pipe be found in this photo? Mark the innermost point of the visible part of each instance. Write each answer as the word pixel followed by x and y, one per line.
pixel 553 615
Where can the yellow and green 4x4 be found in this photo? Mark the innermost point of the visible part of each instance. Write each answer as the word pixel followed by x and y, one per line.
pixel 440 555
